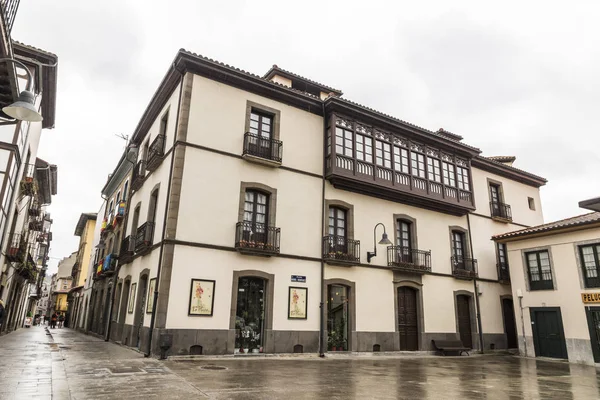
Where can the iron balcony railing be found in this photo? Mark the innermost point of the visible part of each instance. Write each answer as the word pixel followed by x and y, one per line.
pixel 156 153
pixel 28 183
pixel 263 147
pixel 503 272
pixel 408 259
pixel 465 268
pixel 341 249
pixel 9 12
pixel 144 236
pixel 500 210
pixel 127 250
pixel 138 174
pixel 257 238
pixel 17 248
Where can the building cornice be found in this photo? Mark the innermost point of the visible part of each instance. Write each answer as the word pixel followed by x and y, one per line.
pixel 507 171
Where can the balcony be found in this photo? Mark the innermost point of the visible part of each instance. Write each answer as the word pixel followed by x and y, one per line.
pixel 341 250
pixel 28 183
pixel 137 177
pixel 262 150
pixel 156 153
pixel 127 250
pixel 257 239
pixel 17 249
pixel 144 237
pixel 27 270
pixel 109 264
pixel 464 268
pixel 34 209
pixel 500 212
pixel 503 272
pixel 409 260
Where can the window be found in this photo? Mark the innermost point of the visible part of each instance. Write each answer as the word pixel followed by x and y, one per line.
pixel 403 240
pixel 364 148
pixel 502 260
pixel 417 164
pixel 152 206
pixel 458 246
pixel 401 160
pixel 256 213
pixel 135 220
pixel 337 222
pixel 163 123
pixel 448 173
pixel 538 270
pixel 531 203
pixel 125 187
pixel 463 178
pixel 343 142
pixel 495 193
pixel 260 124
pixel 433 170
pixel 383 154
pixel 590 262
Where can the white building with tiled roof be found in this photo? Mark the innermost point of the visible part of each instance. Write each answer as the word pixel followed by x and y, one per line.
pixel 555 275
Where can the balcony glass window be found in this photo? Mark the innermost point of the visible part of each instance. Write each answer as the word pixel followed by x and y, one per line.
pixel 417 164
pixel 383 154
pixel 458 245
pixel 261 125
pixel 364 148
pixel 448 173
pixel 502 254
pixel 433 170
pixel 343 142
pixel 539 271
pixel 256 211
pixel 463 178
pixel 401 160
pixel 337 222
pixel 590 262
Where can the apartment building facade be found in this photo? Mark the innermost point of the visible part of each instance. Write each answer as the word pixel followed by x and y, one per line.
pixel 85 229
pixel 256 215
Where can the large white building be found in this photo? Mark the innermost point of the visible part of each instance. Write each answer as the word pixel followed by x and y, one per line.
pixel 256 203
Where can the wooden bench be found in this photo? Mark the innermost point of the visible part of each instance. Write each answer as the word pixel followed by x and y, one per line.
pixel 450 345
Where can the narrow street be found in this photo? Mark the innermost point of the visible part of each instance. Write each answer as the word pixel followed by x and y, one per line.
pixel 69 365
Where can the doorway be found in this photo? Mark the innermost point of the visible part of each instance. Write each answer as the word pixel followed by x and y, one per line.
pixel 337 317
pixel 593 318
pixel 548 333
pixel 140 311
pixel 463 311
pixel 510 325
pixel 250 315
pixel 408 319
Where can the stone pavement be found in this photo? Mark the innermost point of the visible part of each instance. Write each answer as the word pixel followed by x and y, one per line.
pixel 70 365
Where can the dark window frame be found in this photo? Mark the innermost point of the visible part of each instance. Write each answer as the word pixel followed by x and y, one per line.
pixel 590 282
pixel 540 283
pixel 531 203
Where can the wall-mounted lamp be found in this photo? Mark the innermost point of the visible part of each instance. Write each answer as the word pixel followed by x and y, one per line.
pixel 24 108
pixel 384 240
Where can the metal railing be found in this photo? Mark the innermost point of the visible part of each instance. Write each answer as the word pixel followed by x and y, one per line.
pixel 144 236
pixel 463 267
pixel 138 174
pixel 17 248
pixel 127 250
pixel 263 147
pixel 156 153
pixel 256 237
pixel 500 210
pixel 9 12
pixel 409 259
pixel 503 272
pixel 340 248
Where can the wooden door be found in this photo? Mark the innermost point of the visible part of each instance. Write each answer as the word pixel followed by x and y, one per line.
pixel 408 328
pixel 593 317
pixel 548 335
pixel 464 320
pixel 510 325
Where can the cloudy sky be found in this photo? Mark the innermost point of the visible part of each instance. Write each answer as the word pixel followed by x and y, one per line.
pixel 519 79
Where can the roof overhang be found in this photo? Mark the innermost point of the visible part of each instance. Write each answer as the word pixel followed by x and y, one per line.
pixel 46 175
pixel 83 219
pixel 121 171
pixel 591 204
pixel 45 79
pixel 312 85
pixel 507 171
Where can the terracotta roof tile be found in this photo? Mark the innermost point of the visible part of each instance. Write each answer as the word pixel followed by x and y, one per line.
pixel 503 159
pixel 276 68
pixel 502 165
pixel 579 220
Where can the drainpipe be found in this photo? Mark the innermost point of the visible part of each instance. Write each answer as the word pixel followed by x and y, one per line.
pixel 523 323
pixel 164 230
pixel 322 303
pixel 476 290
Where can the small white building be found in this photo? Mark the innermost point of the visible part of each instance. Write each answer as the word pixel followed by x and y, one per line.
pixel 555 275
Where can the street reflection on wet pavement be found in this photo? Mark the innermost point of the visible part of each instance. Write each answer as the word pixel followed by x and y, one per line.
pixel 70 365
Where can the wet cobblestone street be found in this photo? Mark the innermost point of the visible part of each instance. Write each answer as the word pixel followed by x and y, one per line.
pixel 69 365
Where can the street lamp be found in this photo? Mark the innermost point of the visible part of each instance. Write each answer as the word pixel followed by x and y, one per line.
pixel 24 108
pixel 384 240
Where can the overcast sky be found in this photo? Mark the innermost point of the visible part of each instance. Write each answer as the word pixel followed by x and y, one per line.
pixel 519 79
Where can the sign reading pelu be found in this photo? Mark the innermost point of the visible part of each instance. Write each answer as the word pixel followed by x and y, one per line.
pixel 590 297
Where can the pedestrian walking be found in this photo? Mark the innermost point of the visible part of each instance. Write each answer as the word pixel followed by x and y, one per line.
pixel 61 320
pixel 2 313
pixel 53 319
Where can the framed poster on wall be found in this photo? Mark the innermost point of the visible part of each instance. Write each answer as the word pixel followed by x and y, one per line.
pixel 131 298
pixel 202 299
pixel 150 300
pixel 297 302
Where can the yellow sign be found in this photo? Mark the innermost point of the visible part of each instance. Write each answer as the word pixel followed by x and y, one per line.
pixel 590 297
